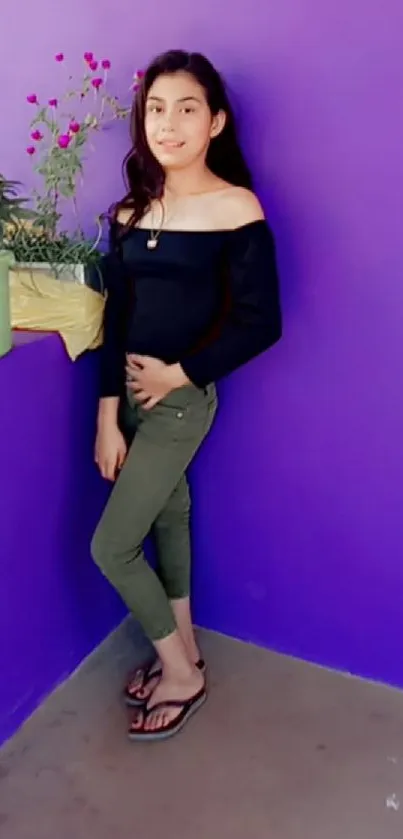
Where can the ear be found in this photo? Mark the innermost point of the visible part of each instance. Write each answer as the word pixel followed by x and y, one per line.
pixel 218 124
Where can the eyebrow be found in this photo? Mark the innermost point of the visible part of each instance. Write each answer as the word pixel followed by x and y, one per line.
pixel 184 99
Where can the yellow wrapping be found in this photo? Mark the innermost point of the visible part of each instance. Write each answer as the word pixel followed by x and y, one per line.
pixel 42 303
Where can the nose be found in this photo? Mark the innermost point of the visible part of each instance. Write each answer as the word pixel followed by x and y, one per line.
pixel 167 127
pixel 168 123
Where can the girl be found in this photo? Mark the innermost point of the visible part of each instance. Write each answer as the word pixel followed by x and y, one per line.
pixel 192 296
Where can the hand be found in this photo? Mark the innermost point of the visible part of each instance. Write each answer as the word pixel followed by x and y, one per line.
pixel 151 380
pixel 110 450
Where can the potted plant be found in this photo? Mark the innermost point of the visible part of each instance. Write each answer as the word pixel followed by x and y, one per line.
pixel 61 132
pixel 12 213
pixel 56 282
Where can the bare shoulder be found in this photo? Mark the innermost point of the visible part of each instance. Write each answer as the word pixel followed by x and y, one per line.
pixel 124 215
pixel 240 206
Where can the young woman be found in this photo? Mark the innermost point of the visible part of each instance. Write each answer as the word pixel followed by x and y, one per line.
pixel 192 296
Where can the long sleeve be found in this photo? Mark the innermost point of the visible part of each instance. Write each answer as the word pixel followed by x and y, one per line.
pixel 112 373
pixel 254 321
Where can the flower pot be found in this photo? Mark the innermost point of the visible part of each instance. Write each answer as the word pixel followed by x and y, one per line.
pixel 66 273
pixel 89 275
pixel 40 301
pixel 6 260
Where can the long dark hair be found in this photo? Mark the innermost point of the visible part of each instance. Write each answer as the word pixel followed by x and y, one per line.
pixel 145 177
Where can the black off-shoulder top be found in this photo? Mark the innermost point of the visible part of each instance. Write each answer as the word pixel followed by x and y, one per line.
pixel 206 299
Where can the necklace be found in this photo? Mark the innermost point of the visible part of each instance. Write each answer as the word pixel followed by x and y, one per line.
pixel 152 241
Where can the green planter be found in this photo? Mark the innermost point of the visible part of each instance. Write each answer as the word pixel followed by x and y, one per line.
pixel 6 261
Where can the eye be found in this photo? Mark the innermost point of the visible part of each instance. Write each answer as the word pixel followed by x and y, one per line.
pixel 188 109
pixel 154 109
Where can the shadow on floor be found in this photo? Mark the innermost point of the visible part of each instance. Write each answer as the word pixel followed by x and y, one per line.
pixel 282 750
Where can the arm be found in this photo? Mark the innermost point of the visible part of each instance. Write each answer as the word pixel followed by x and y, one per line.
pixel 112 365
pixel 110 445
pixel 254 323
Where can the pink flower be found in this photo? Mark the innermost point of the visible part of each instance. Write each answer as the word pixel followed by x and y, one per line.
pixel 74 127
pixel 59 56
pixel 32 99
pixel 36 135
pixel 106 64
pixel 93 65
pixel 88 56
pixel 63 141
pixel 138 76
pixel 31 150
pixel 97 83
pixel 53 103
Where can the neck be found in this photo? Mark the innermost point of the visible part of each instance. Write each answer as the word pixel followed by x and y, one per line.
pixel 194 179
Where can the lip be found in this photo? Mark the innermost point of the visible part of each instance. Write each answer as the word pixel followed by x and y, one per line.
pixel 171 144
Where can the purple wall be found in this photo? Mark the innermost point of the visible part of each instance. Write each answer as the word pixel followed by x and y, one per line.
pixel 54 606
pixel 299 492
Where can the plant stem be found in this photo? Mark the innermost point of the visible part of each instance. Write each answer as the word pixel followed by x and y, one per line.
pixel 77 215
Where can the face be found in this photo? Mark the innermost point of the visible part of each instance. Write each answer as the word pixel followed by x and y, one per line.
pixel 178 122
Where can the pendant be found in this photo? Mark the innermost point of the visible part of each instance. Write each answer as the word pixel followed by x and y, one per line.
pixel 152 244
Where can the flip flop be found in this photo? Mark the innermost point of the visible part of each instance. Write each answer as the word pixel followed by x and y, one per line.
pixel 188 708
pixel 146 674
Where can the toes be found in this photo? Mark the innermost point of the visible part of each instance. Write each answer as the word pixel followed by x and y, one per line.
pixel 149 723
pixel 154 721
pixel 146 691
pixel 161 719
pixel 136 682
pixel 158 720
pixel 134 686
pixel 142 693
pixel 137 721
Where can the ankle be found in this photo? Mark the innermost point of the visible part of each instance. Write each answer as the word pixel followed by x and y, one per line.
pixel 192 650
pixel 182 672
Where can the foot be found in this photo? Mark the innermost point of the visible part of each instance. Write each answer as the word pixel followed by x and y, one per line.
pixel 145 680
pixel 167 690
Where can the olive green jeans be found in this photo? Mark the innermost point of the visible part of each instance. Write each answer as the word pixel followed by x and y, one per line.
pixel 151 495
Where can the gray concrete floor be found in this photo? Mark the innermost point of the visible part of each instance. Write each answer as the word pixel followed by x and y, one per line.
pixel 282 750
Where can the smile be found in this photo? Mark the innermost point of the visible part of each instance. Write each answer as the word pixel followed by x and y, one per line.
pixel 170 144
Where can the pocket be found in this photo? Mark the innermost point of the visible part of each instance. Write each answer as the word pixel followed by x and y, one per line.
pixel 184 398
pixel 170 423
